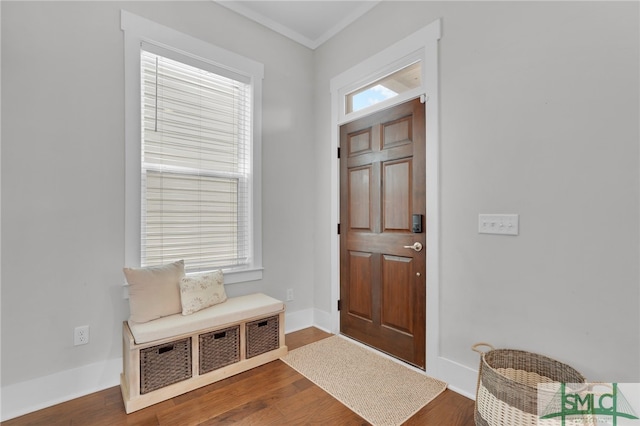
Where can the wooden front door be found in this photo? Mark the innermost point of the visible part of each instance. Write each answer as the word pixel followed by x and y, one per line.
pixel 382 185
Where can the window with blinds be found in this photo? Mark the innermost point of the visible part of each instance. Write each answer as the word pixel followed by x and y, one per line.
pixel 195 171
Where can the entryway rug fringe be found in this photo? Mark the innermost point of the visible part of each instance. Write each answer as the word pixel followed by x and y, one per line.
pixel 383 392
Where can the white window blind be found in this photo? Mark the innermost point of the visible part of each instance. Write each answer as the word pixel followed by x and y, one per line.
pixel 196 141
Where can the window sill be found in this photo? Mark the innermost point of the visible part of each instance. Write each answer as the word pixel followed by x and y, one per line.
pixel 233 277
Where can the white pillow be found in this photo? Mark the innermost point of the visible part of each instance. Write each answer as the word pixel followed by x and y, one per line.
pixel 154 292
pixel 201 291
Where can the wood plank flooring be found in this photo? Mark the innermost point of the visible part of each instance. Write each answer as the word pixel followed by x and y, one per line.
pixel 272 394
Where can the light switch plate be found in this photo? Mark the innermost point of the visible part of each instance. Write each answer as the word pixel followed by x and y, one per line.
pixel 499 224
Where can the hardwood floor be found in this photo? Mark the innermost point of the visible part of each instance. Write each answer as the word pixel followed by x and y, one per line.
pixel 272 394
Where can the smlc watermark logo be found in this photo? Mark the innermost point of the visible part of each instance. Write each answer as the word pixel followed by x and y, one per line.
pixel 588 404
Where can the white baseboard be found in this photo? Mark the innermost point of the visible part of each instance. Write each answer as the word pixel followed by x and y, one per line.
pixel 460 378
pixel 32 395
pixel 294 321
pixel 322 320
pixel 305 318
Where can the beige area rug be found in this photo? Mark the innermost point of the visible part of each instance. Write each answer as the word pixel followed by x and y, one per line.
pixel 381 391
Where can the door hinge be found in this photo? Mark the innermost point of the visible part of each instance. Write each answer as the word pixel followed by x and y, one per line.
pixel 338 152
pixel 338 229
pixel 339 304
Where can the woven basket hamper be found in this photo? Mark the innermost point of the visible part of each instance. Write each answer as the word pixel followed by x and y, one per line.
pixel 219 348
pixel 507 391
pixel 262 336
pixel 164 365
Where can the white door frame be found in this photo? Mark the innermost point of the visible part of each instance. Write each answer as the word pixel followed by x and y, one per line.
pixel 422 45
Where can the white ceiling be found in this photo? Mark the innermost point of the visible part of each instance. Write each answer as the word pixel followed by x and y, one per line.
pixel 309 23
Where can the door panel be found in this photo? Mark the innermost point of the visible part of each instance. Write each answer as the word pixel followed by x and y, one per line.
pixel 397 132
pixel 397 195
pixel 360 142
pixel 360 269
pixel 382 184
pixel 360 198
pixel 396 293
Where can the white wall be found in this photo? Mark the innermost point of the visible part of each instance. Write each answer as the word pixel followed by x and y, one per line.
pixel 539 116
pixel 63 182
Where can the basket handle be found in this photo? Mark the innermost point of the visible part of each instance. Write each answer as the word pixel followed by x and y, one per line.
pixel 475 347
pixel 593 385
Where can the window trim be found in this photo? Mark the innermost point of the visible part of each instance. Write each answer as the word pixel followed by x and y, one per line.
pixel 136 31
pixel 384 71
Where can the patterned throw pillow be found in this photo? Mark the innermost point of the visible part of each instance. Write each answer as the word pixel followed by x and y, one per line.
pixel 201 291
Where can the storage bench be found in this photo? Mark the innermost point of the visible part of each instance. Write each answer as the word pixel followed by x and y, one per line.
pixel 173 355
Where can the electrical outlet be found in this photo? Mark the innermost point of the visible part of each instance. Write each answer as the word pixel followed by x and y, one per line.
pixel 81 335
pixel 289 295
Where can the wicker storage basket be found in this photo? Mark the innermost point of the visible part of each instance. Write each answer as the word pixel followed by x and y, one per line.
pixel 507 391
pixel 262 336
pixel 219 348
pixel 164 365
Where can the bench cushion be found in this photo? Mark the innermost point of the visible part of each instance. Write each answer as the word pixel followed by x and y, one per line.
pixel 235 309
